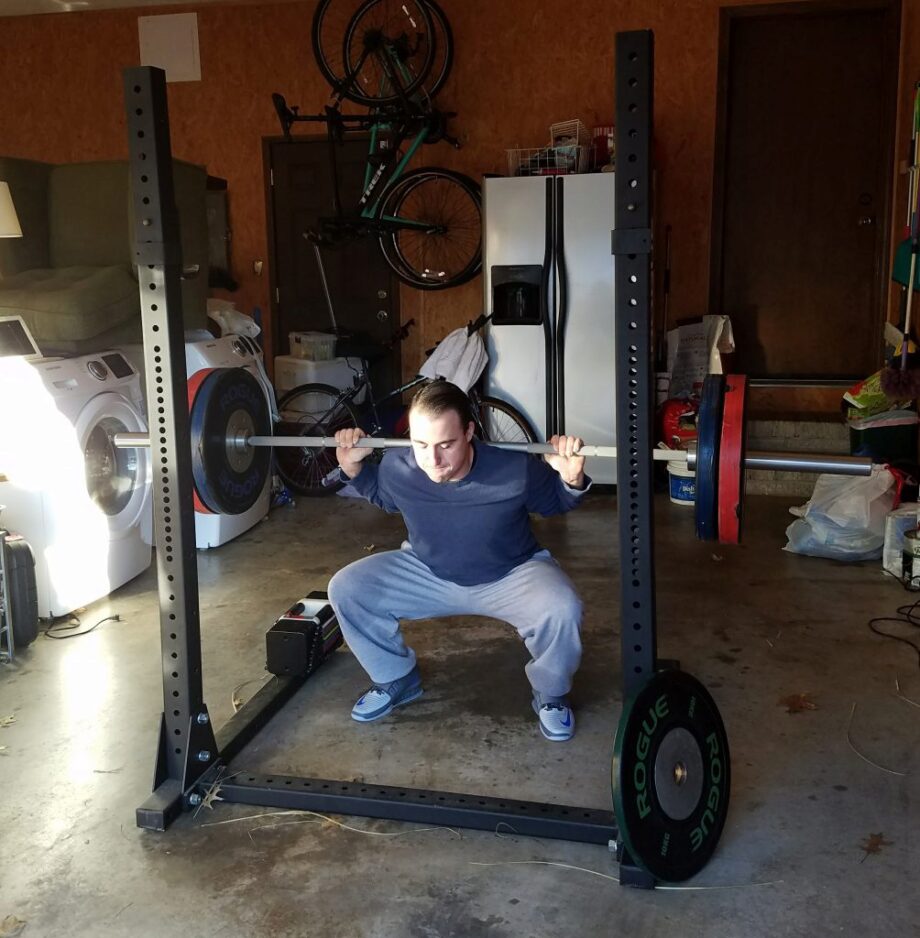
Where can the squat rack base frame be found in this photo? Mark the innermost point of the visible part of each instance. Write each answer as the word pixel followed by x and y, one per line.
pixel 190 756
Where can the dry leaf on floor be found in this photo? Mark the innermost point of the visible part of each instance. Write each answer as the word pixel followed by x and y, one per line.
pixel 11 926
pixel 797 703
pixel 6 721
pixel 210 796
pixel 369 547
pixel 874 844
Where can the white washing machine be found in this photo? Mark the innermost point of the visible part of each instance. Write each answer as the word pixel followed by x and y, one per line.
pixel 229 351
pixel 76 498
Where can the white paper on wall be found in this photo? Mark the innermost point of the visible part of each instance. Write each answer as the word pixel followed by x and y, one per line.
pixel 170 42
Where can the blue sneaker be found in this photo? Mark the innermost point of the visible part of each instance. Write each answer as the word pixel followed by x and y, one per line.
pixel 557 721
pixel 380 699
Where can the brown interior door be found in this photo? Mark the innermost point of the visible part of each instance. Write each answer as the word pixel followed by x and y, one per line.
pixel 365 295
pixel 801 217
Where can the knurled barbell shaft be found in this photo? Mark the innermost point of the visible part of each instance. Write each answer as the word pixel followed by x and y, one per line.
pixel 374 442
pixel 778 462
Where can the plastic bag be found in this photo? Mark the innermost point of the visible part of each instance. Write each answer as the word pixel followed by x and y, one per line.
pixel 230 320
pixel 459 358
pixel 845 517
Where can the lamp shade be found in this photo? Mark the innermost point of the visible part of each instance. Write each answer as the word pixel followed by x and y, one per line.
pixel 9 223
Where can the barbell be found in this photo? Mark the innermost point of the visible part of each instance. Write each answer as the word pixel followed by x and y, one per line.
pixel 231 444
pixel 783 462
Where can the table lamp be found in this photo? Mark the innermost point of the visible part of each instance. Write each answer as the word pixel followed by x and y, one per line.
pixel 9 223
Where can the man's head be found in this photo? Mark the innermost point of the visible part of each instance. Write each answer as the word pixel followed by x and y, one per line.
pixel 441 428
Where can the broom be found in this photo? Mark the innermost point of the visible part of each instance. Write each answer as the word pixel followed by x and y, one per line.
pixel 903 383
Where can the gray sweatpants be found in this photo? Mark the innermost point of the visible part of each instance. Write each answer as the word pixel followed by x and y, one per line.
pixel 372 595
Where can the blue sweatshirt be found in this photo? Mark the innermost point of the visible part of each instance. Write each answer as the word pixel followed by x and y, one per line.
pixel 478 529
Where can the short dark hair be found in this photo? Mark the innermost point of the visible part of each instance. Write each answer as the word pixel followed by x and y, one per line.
pixel 439 396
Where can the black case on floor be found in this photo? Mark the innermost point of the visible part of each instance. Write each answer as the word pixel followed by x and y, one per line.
pixel 298 643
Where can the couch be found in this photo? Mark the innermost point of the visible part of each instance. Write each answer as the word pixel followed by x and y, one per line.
pixel 71 276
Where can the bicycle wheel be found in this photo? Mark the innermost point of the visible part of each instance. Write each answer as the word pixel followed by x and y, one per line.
pixel 443 248
pixel 311 410
pixel 443 58
pixel 502 423
pixel 351 46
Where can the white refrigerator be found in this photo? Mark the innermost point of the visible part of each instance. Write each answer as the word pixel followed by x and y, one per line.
pixel 548 280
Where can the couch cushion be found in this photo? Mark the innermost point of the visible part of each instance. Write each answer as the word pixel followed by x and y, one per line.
pixel 71 303
pixel 88 209
pixel 190 187
pixel 126 333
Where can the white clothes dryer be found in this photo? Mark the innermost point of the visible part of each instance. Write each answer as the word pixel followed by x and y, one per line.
pixel 230 351
pixel 77 499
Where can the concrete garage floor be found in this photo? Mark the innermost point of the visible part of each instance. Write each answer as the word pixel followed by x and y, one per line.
pixel 755 624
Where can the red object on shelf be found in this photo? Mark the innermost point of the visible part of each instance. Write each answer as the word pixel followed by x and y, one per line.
pixel 677 422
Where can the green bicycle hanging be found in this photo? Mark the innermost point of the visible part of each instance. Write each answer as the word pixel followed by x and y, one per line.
pixel 393 57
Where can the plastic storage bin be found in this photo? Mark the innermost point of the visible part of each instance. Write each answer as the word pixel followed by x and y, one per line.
pixel 312 346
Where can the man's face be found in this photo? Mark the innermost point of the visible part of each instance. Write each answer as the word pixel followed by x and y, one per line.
pixel 442 447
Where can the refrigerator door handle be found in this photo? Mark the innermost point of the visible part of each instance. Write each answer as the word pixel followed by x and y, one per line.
pixel 562 301
pixel 549 338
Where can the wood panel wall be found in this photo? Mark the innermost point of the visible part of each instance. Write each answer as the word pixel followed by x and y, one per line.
pixel 520 65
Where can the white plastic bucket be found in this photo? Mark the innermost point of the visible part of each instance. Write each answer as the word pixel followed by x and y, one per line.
pixel 681 483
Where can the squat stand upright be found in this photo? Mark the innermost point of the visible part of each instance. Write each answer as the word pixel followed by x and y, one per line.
pixel 632 247
pixel 190 755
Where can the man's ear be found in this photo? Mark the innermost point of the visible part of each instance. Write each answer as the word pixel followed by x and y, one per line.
pixel 470 430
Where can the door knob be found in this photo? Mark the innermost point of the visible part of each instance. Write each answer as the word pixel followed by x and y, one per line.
pixel 865 220
pixel 381 294
pixel 382 315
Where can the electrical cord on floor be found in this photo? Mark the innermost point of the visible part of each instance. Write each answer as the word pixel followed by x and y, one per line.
pixel 906 615
pixel 53 630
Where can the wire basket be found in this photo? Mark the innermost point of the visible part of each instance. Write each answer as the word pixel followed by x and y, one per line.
pixel 570 151
pixel 569 133
pixel 549 161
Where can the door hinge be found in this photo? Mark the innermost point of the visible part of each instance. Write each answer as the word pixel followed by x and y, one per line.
pixel 277 295
pixel 271 176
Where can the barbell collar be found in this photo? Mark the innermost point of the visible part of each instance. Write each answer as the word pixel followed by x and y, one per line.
pixel 131 440
pixel 778 462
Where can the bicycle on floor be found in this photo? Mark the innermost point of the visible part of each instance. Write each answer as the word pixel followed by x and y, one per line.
pixel 320 410
pixel 393 57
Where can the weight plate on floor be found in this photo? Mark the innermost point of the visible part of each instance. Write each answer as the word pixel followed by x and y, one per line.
pixel 709 432
pixel 228 403
pixel 731 459
pixel 671 776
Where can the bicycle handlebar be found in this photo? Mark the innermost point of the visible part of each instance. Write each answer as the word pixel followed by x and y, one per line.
pixel 400 334
pixel 472 327
pixel 408 112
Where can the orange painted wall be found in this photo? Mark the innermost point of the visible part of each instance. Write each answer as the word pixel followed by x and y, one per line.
pixel 519 66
